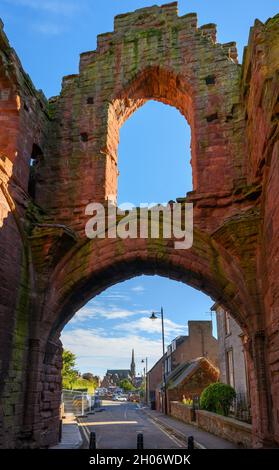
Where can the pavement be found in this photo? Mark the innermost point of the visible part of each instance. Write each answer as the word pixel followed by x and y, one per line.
pixel 71 436
pixel 202 439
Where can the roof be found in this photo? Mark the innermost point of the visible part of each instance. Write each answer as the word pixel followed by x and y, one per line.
pixel 119 372
pixel 186 370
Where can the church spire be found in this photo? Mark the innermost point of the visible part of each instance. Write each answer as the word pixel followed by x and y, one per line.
pixel 133 365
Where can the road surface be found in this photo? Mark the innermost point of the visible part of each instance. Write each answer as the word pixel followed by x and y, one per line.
pixel 117 426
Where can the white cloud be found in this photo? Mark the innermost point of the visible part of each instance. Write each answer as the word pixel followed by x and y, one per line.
pixel 146 325
pixel 109 312
pixel 138 289
pixel 96 352
pixel 115 296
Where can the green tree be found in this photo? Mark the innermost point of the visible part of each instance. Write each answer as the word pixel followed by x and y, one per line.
pixel 93 379
pixel 69 373
pixel 126 385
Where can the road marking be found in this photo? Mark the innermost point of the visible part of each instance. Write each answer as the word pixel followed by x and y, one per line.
pixel 84 429
pixel 106 423
pixel 172 438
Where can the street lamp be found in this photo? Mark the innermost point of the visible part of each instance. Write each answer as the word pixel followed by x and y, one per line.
pixel 146 379
pixel 153 318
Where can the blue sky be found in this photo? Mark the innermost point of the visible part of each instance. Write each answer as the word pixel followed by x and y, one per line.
pixel 48 36
pixel 104 332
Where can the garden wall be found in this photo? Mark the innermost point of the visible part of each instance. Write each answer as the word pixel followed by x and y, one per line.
pixel 228 428
pixel 182 412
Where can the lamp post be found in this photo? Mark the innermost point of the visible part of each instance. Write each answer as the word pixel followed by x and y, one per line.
pixel 153 318
pixel 146 379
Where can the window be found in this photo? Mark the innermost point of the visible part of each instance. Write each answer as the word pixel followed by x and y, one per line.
pixel 36 158
pixel 227 324
pixel 230 368
pixel 168 364
pixel 173 345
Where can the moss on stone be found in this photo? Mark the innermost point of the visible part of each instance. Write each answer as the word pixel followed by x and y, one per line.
pixel 19 342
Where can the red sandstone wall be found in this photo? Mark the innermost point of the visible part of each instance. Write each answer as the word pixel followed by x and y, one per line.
pixel 261 94
pixel 235 254
pixel 23 123
pixel 173 61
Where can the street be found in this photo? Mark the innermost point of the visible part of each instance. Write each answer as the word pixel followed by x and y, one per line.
pixel 117 426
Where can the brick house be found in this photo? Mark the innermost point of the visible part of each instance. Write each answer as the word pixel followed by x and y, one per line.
pixel 200 342
pixel 190 379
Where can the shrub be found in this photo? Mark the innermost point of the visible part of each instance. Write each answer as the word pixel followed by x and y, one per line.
pixel 217 398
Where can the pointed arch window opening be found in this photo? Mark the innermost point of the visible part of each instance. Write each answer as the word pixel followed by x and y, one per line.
pixel 164 161
pixel 37 156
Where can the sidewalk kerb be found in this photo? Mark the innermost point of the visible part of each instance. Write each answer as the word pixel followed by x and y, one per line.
pixel 174 431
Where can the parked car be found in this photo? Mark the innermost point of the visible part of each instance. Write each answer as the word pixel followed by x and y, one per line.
pixel 122 398
pixel 134 398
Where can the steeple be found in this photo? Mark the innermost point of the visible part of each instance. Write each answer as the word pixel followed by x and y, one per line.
pixel 133 365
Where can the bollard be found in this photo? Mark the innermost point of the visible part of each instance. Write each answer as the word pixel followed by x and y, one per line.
pixel 140 441
pixel 92 442
pixel 191 445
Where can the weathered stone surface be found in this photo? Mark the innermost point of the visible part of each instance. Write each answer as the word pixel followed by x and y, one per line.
pixel 228 428
pixel 182 412
pixel 49 268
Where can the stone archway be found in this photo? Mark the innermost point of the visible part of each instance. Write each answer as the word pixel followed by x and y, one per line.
pixel 48 267
pixel 92 266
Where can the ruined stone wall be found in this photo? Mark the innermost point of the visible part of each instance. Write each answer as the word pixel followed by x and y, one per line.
pixel 49 269
pixel 151 54
pixel 23 122
pixel 260 87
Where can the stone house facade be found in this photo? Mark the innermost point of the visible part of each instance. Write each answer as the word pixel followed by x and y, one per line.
pixel 232 357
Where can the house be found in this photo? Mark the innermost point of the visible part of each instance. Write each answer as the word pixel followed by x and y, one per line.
pixel 154 378
pixel 232 360
pixel 190 379
pixel 199 342
pixel 232 357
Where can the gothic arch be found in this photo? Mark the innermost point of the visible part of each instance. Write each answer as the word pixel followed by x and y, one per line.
pixel 153 83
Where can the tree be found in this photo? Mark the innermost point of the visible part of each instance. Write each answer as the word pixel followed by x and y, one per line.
pixel 93 379
pixel 126 385
pixel 69 374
